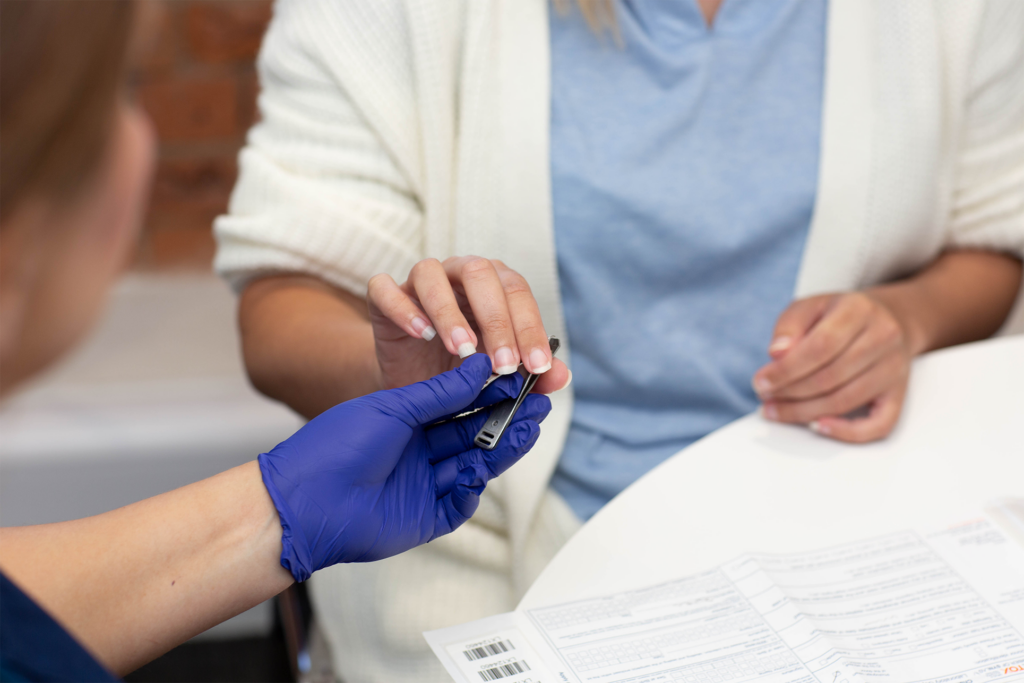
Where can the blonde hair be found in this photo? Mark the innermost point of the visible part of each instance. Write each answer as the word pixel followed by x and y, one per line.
pixel 599 14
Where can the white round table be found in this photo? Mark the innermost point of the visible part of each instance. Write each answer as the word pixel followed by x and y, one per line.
pixel 756 486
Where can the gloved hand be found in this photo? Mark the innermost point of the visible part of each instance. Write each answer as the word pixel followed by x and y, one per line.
pixel 365 480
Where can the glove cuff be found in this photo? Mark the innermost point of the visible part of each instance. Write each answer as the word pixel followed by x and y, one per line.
pixel 295 554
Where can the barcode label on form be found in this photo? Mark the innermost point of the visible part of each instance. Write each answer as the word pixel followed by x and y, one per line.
pixel 504 671
pixel 489 650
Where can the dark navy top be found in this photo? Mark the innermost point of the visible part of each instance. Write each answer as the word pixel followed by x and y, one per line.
pixel 34 647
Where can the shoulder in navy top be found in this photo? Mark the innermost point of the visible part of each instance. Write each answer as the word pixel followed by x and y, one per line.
pixel 34 647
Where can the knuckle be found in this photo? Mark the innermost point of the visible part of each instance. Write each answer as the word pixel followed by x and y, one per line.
pixel 476 266
pixel 439 299
pixel 377 282
pixel 860 302
pixel 889 331
pixel 495 324
pixel 425 266
pixel 821 344
pixel 529 330
pixel 394 299
pixel 515 285
pixel 447 310
pixel 823 381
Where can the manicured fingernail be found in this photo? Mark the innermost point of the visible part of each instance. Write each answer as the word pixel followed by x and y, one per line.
pixel 423 329
pixel 463 342
pixel 770 411
pixel 504 361
pixel 569 381
pixel 818 428
pixel 780 344
pixel 539 362
pixel 761 385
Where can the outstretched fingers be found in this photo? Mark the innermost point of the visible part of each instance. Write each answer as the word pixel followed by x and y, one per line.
pixel 386 299
pixel 430 283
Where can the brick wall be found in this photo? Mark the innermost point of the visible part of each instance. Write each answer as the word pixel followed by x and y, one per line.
pixel 198 84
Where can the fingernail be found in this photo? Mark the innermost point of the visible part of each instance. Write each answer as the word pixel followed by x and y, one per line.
pixel 780 344
pixel 770 411
pixel 818 428
pixel 569 381
pixel 761 385
pixel 423 329
pixel 463 342
pixel 504 361
pixel 539 362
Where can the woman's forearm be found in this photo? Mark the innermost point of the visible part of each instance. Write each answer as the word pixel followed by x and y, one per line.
pixel 307 344
pixel 132 583
pixel 963 296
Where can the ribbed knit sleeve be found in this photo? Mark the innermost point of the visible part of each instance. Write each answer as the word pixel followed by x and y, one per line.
pixel 988 197
pixel 318 191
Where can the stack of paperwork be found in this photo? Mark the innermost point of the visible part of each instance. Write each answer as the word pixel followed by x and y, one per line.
pixel 944 604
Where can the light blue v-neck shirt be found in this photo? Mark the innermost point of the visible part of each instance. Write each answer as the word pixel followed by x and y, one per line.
pixel 684 173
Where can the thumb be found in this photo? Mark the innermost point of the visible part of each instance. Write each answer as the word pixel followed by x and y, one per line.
pixel 449 392
pixel 455 508
pixel 796 321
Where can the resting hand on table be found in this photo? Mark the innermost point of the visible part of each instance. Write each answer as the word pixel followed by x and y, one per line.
pixel 445 311
pixel 831 355
pixel 837 353
pixel 365 480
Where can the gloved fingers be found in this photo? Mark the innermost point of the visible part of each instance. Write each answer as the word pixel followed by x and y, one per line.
pixel 519 439
pixel 448 393
pixel 499 460
pixel 506 386
pixel 452 438
pixel 455 508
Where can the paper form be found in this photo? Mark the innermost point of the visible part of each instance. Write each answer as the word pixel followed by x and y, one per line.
pixel 944 607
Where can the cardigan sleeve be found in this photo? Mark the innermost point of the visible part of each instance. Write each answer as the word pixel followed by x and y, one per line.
pixel 988 193
pixel 318 191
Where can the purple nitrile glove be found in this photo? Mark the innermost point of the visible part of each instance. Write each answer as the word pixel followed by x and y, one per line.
pixel 365 480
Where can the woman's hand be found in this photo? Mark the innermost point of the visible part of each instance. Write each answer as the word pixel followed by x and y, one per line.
pixel 446 311
pixel 837 353
pixel 834 354
pixel 368 479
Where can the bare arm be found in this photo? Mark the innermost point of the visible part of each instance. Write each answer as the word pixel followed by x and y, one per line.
pixel 306 343
pixel 962 297
pixel 132 583
pixel 359 483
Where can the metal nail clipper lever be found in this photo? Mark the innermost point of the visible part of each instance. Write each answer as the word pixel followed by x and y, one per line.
pixel 502 413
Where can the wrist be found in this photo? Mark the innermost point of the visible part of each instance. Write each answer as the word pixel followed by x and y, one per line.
pixel 904 302
pixel 292 552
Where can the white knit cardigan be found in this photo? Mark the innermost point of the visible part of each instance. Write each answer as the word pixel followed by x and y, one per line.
pixel 394 130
